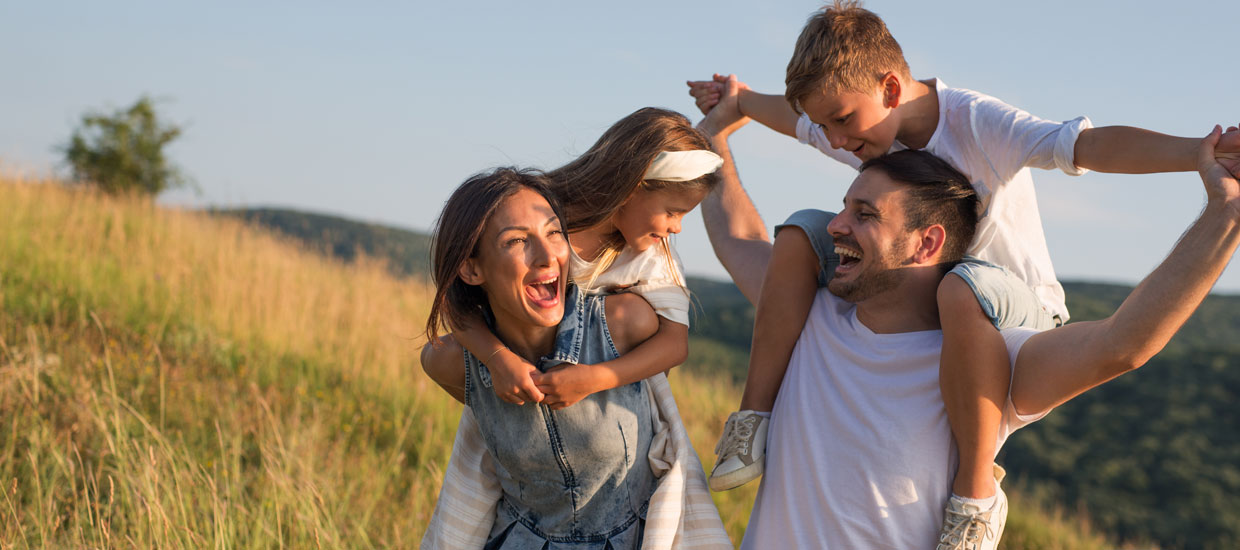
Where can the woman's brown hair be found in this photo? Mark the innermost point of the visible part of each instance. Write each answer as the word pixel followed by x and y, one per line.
pixel 456 304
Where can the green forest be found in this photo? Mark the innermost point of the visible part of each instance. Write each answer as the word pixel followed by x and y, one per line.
pixel 1152 457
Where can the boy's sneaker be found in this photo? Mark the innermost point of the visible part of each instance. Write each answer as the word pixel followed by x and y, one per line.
pixel 741 451
pixel 968 527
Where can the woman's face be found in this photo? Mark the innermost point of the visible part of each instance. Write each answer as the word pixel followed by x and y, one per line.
pixel 521 262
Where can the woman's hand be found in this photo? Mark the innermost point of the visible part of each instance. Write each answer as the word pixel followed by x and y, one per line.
pixel 566 384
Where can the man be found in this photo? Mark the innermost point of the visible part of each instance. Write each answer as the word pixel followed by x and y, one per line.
pixel 860 453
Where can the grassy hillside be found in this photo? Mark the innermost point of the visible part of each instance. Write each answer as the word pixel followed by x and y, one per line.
pixel 174 380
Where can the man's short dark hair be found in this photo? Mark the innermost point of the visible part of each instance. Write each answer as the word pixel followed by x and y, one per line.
pixel 938 194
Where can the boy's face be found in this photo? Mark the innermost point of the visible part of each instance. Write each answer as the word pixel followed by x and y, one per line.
pixel 857 122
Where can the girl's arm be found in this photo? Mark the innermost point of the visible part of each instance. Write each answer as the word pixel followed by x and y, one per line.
pixel 648 344
pixel 510 374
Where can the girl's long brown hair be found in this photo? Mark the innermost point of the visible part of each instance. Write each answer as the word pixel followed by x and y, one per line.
pixel 597 183
pixel 457 305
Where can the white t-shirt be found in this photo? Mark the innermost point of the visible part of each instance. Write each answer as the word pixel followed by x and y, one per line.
pixel 859 452
pixel 647 273
pixel 994 144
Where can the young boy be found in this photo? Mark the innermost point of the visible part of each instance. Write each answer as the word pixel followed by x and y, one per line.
pixel 850 94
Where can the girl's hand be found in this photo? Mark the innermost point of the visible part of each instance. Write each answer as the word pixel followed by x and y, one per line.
pixel 511 378
pixel 566 384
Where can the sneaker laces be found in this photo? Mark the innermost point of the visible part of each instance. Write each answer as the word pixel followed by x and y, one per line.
pixel 739 437
pixel 966 530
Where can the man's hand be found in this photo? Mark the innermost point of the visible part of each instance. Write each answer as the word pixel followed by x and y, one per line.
pixel 566 384
pixel 726 116
pixel 1227 152
pixel 511 378
pixel 1218 173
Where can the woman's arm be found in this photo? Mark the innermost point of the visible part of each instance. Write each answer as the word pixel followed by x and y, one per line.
pixel 648 344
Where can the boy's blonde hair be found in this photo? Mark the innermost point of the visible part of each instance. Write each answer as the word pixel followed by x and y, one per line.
pixel 843 48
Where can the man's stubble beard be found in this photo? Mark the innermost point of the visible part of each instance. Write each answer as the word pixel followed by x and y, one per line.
pixel 876 280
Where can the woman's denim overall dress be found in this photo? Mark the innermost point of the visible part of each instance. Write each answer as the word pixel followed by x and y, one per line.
pixel 574 478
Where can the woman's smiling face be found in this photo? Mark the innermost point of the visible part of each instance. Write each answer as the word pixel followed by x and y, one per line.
pixel 521 262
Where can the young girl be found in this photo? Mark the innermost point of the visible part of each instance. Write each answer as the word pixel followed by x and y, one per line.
pixel 622 199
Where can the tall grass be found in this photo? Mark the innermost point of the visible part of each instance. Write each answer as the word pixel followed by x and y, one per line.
pixel 178 381
pixel 173 380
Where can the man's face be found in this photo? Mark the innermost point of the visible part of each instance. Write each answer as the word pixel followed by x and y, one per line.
pixel 870 238
pixel 857 122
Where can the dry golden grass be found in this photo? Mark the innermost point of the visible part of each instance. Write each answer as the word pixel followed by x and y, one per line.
pixel 174 380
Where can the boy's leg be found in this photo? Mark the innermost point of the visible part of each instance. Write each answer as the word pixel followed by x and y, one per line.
pixel 802 259
pixel 974 376
pixel 787 293
pixel 975 300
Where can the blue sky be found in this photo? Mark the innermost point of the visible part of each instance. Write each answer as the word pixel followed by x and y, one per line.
pixel 378 112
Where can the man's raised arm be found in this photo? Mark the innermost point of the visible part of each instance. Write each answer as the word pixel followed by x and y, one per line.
pixel 1057 365
pixel 736 231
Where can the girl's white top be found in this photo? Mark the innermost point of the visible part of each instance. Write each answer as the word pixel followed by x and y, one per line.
pixel 647 273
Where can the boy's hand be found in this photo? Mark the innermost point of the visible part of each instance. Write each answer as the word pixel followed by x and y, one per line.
pixel 707 93
pixel 1221 182
pixel 511 378
pixel 566 384
pixel 726 116
pixel 1227 152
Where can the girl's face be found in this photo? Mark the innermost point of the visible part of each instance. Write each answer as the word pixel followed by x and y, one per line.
pixel 650 215
pixel 521 262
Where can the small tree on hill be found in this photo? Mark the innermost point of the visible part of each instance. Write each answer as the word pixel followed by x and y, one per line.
pixel 124 151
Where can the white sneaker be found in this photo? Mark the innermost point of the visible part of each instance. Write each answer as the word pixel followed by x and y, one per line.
pixel 967 527
pixel 741 451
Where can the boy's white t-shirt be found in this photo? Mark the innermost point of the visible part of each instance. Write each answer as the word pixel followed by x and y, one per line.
pixel 649 273
pixel 994 145
pixel 859 450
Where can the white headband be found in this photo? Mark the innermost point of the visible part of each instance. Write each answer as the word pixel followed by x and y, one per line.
pixel 682 165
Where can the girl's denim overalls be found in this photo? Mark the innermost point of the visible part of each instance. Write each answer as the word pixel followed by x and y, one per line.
pixel 574 478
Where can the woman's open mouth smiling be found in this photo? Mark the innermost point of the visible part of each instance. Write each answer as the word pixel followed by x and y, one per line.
pixel 544 293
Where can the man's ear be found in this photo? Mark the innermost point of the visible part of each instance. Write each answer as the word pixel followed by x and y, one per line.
pixel 891 86
pixel 930 245
pixel 470 273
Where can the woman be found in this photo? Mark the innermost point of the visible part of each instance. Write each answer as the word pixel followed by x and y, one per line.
pixel 577 477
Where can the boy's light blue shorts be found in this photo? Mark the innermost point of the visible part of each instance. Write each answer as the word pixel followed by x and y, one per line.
pixel 1004 298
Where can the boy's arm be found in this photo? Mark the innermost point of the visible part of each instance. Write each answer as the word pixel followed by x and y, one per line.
pixel 1057 365
pixel 1129 150
pixel 648 345
pixel 736 231
pixel 1011 139
pixel 445 364
pixel 510 374
pixel 772 111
